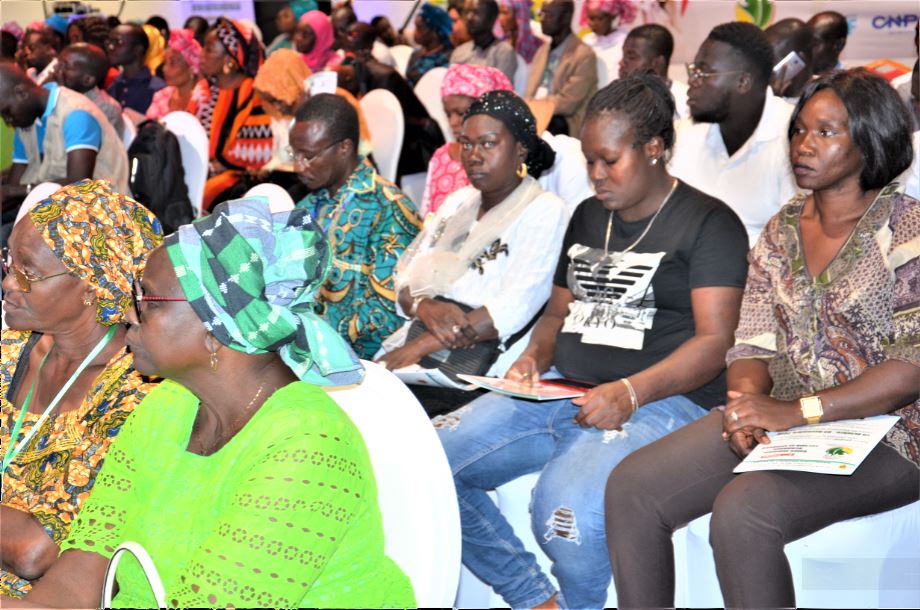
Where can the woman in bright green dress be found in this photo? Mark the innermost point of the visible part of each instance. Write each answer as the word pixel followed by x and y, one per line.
pixel 245 482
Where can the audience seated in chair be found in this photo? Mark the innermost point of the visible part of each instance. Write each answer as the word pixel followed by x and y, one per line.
pixel 38 52
pixel 239 130
pixel 564 71
pixel 313 38
pixel 369 222
pixel 484 49
pixel 61 136
pixel 422 134
pixel 342 19
pixel 607 20
pixel 832 263
pixel 649 47
pixel 65 306
pixel 135 86
pixel 657 349
pixel 432 34
pixel 735 146
pixel 182 72
pixel 237 415
pixel 481 269
pixel 286 20
pixel 82 67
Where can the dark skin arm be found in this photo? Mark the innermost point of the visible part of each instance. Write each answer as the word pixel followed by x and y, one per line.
pixel 25 548
pixel 80 164
pixel 11 182
pixel 878 390
pixel 74 581
pixel 537 357
pixel 748 376
pixel 697 361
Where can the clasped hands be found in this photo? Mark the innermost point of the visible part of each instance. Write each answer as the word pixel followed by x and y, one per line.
pixel 447 323
pixel 748 417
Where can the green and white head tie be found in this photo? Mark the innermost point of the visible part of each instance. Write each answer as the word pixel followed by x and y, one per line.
pixel 252 277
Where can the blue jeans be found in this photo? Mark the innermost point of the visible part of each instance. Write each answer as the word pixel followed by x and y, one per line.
pixel 496 439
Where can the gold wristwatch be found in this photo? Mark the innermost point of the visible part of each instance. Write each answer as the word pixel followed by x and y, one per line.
pixel 812 408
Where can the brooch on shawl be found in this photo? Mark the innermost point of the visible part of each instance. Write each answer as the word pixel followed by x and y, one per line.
pixel 489 254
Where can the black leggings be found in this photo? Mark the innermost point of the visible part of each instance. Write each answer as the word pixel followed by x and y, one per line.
pixel 689 473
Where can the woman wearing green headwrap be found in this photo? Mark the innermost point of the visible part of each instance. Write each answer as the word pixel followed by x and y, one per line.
pixel 247 486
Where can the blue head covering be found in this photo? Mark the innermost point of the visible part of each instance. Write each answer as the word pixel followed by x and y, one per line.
pixel 58 22
pixel 302 7
pixel 437 19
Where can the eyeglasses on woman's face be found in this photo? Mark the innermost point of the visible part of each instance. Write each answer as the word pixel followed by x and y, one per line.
pixel 140 297
pixel 23 279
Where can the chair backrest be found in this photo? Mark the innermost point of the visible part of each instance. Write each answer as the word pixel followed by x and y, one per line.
pixel 401 53
pixel 38 192
pixel 602 75
pixel 385 121
pixel 129 133
pixel 428 91
pixel 193 144
pixel 421 519
pixel 278 199
pixel 521 73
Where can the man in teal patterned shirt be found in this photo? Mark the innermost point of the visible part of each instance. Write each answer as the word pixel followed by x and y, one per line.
pixel 368 221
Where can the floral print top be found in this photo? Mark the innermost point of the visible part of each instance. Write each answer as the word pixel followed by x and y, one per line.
pixel 862 310
pixel 56 471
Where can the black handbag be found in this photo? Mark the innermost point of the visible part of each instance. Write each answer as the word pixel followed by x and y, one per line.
pixel 474 360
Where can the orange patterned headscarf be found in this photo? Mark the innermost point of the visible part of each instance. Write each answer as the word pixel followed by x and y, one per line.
pixel 102 237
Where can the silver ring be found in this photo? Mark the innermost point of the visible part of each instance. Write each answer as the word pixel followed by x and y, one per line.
pixel 455 328
pixel 734 416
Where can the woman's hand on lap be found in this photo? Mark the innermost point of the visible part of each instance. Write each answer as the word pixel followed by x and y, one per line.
pixel 447 323
pixel 524 370
pixel 606 407
pixel 753 411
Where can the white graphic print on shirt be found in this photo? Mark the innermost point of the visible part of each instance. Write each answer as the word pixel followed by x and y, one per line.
pixel 614 301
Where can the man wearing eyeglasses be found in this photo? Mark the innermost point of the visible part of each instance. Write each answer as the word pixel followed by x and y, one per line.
pixel 734 146
pixel 368 221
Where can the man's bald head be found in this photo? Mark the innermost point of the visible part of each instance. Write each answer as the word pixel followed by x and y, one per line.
pixel 86 64
pixel 830 30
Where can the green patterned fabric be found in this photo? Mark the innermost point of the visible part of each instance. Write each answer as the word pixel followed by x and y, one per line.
pixel 252 277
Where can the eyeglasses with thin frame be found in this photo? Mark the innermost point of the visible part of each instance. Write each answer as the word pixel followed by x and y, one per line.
pixel 23 280
pixel 695 73
pixel 302 159
pixel 140 297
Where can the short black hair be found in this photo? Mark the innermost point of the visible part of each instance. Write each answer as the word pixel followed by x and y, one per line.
pixel 137 36
pixel 8 44
pixel 47 35
pixel 658 37
pixel 335 112
pixel 158 22
pixel 95 29
pixel 750 43
pixel 492 5
pixel 836 27
pixel 879 123
pixel 647 102
pixel 93 59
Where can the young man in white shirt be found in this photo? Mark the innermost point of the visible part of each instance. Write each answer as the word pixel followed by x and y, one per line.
pixel 735 145
pixel 649 47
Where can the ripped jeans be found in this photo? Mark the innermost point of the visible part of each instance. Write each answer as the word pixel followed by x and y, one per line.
pixel 496 439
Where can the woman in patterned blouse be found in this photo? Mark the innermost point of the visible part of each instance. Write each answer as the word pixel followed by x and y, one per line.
pixel 69 271
pixel 829 331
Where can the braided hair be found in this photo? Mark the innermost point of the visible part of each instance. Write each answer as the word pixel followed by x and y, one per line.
pixel 647 103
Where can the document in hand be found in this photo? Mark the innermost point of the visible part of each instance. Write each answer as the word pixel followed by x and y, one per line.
pixel 828 448
pixel 538 391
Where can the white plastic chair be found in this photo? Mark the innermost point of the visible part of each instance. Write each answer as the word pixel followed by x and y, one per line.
pixel 193 145
pixel 428 91
pixel 401 54
pixel 278 199
pixel 385 121
pixel 130 132
pixel 603 78
pixel 521 74
pixel 416 493
pixel 867 562
pixel 38 192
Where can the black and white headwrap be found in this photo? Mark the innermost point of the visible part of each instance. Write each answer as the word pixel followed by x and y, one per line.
pixel 512 111
pixel 241 44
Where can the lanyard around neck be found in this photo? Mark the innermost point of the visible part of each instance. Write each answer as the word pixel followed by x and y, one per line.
pixel 12 452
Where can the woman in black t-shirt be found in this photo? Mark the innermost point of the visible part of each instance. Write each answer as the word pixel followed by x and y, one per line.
pixel 645 302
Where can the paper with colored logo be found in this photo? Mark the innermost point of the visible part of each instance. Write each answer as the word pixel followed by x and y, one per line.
pixel 827 448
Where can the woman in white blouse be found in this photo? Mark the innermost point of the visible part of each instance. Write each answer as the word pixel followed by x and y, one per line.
pixel 491 246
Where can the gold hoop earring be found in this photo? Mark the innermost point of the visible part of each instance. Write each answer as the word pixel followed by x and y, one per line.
pixel 87 300
pixel 522 170
pixel 214 361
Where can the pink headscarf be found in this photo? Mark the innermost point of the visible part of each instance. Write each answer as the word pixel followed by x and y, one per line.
pixel 624 9
pixel 183 42
pixel 473 81
pixel 322 54
pixel 11 27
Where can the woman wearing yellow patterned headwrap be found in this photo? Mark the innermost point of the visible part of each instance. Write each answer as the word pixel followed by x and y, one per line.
pixel 67 382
